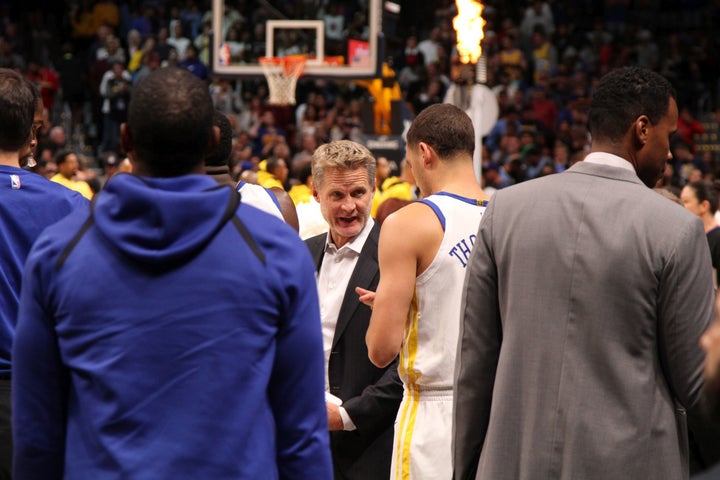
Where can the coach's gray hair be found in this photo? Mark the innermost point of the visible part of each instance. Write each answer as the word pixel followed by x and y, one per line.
pixel 343 154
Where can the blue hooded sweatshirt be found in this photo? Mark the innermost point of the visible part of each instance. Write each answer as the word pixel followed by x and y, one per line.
pixel 168 334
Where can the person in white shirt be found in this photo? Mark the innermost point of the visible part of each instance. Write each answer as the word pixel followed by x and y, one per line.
pixel 362 398
pixel 177 39
pixel 431 47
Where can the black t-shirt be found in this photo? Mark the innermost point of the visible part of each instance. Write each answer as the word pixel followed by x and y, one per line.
pixel 713 238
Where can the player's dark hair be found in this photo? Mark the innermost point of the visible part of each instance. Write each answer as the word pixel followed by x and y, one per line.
pixel 706 192
pixel 170 121
pixel 444 127
pixel 624 94
pixel 220 154
pixel 17 108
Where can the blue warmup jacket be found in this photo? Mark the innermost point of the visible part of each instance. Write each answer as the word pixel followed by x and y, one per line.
pixel 169 334
pixel 28 204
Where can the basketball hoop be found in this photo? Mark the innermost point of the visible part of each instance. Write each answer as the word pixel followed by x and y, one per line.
pixel 282 74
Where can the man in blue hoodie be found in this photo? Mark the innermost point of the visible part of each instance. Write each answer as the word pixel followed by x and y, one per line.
pixel 206 361
pixel 29 203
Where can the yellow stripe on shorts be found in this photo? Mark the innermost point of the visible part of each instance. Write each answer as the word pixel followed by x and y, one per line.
pixel 406 426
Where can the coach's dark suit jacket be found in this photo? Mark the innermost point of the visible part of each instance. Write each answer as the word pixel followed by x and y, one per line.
pixel 370 395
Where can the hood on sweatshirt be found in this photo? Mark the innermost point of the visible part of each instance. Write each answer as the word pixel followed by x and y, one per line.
pixel 162 220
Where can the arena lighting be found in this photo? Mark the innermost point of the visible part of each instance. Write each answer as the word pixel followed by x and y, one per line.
pixel 469 27
pixel 471 94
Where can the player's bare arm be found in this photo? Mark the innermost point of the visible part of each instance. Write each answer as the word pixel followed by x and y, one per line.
pixel 407 238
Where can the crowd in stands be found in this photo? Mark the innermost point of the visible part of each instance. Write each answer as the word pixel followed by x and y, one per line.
pixel 543 57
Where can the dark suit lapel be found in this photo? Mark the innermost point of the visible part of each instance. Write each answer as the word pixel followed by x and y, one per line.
pixel 316 245
pixel 365 270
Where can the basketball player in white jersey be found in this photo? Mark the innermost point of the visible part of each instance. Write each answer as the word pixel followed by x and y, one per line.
pixel 423 252
pixel 274 201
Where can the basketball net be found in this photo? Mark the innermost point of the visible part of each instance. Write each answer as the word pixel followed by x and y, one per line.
pixel 282 74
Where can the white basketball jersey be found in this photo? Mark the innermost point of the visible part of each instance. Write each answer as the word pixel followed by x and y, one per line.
pixel 260 198
pixel 427 358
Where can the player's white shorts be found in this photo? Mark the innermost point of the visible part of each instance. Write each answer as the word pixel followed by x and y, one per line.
pixel 423 430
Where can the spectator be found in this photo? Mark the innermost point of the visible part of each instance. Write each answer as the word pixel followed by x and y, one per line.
pixel 115 89
pixel 266 134
pixel 150 63
pixel 276 173
pixel 304 156
pixel 106 12
pixel 178 40
pixel 148 48
pixel 134 43
pixel 10 58
pixel 511 58
pixel 193 64
pixel 431 48
pixel 538 14
pixel 647 52
pixel 56 140
pixel 67 163
pixel 82 23
pixel 143 21
pixel 382 171
pixel 701 198
pixel 112 50
pixel 544 55
pixel 203 43
pixel 46 80
pixel 688 128
pixel 409 63
pixel 302 191
pixel 509 120
pixel 545 109
pixel 491 178
pixel 73 83
pixel 392 186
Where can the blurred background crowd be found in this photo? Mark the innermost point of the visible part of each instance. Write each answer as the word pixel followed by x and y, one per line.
pixel 544 58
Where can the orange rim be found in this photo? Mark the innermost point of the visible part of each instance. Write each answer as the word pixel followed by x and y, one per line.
pixel 291 64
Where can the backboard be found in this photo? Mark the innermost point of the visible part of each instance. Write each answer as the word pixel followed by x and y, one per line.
pixel 341 39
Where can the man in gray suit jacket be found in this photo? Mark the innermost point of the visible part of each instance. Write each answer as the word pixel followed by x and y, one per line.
pixel 586 296
pixel 346 257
